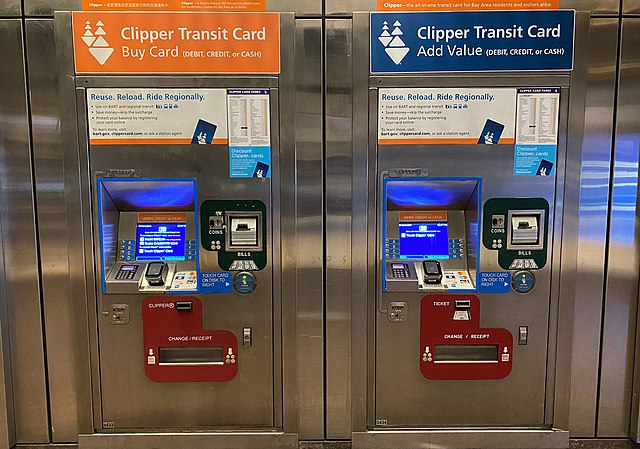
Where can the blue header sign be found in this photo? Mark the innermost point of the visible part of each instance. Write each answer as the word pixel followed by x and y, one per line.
pixel 471 41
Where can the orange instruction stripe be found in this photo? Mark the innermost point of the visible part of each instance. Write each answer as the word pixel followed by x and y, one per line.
pixel 448 5
pixel 440 141
pixel 180 141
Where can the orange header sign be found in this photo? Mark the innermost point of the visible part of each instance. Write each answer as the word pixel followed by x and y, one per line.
pixel 175 5
pixel 423 216
pixel 176 42
pixel 465 5
pixel 156 217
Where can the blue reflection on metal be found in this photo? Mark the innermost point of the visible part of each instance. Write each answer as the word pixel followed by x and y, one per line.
pixel 150 193
pixel 624 191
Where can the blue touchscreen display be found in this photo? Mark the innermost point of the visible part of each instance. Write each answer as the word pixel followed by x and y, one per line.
pixel 160 241
pixel 424 240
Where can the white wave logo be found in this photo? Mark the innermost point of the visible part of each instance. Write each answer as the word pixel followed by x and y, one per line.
pixel 394 46
pixel 98 45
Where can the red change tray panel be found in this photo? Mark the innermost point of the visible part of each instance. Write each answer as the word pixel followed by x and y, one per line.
pixel 178 349
pixel 454 347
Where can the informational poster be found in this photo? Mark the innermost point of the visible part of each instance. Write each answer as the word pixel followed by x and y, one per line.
pixel 176 42
pixel 446 116
pixel 157 116
pixel 536 131
pixel 469 5
pixel 249 133
pixel 422 42
pixel 174 5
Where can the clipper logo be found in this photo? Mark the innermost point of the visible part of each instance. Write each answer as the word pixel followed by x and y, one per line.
pixel 98 45
pixel 395 47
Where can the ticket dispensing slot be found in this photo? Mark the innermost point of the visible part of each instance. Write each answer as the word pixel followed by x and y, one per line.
pixel 148 235
pixel 430 240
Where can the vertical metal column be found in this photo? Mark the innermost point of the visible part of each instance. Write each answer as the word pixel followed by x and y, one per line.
pixel 309 227
pixel 338 165
pixel 20 243
pixel 592 233
pixel 621 294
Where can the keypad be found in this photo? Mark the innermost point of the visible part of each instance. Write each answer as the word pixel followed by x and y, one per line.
pixel 127 272
pixel 398 272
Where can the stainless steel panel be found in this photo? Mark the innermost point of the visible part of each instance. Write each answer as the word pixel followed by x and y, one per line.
pixel 7 421
pixel 302 8
pixel 10 8
pixel 309 228
pixel 630 6
pixel 338 160
pixel 19 240
pixel 565 249
pixel 621 293
pixel 592 234
pixel 347 8
pixel 463 439
pixel 54 252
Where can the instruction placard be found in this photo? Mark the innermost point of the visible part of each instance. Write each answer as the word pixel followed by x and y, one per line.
pixel 249 133
pixel 536 131
pixel 495 282
pixel 216 282
pixel 446 116
pixel 157 116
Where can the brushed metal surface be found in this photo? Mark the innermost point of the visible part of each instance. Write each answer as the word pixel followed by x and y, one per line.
pixel 338 204
pixel 347 8
pixel 301 8
pixel 630 6
pixel 7 420
pixel 621 293
pixel 592 234
pixel 309 228
pixel 19 241
pixel 49 175
pixel 464 438
pixel 565 249
pixel 202 440
pixel 10 8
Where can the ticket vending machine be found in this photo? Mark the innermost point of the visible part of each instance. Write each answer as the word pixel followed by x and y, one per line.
pixel 459 182
pixel 180 213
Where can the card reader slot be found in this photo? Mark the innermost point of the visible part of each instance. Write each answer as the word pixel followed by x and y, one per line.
pixel 466 354
pixel 191 355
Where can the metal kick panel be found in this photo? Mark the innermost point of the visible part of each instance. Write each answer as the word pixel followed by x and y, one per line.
pixel 11 8
pixel 19 241
pixel 47 152
pixel 621 293
pixel 338 201
pixel 188 404
pixel 302 8
pixel 592 234
pixel 309 223
pixel 347 8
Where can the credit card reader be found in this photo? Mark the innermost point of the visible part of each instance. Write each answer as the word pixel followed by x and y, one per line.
pixel 432 271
